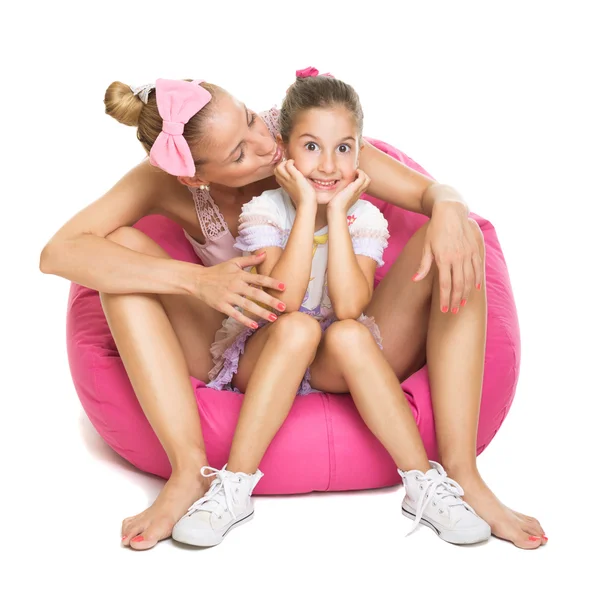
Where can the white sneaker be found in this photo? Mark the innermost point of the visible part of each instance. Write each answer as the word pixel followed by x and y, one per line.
pixel 226 505
pixel 436 500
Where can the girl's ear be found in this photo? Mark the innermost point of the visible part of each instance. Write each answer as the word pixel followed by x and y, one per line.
pixel 280 143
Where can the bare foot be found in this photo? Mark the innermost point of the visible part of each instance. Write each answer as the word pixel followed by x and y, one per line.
pixel 523 531
pixel 156 523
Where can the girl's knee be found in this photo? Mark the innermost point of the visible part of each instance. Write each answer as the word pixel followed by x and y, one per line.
pixel 297 328
pixel 348 334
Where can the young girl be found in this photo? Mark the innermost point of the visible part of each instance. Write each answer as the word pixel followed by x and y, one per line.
pixel 326 243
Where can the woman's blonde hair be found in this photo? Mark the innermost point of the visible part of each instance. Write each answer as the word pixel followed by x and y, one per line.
pixel 121 104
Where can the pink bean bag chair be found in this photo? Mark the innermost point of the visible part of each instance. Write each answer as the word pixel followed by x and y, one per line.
pixel 323 445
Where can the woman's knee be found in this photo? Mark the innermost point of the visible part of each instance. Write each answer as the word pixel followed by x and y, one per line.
pixel 297 329
pixel 347 335
pixel 136 240
pixel 478 236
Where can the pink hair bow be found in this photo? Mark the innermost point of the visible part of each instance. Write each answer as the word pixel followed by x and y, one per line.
pixel 177 102
pixel 311 72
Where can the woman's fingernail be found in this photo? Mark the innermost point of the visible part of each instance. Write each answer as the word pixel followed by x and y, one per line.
pixel 138 538
pixel 478 286
pixel 545 537
pixel 254 325
pixel 281 286
pixel 454 310
pixel 444 309
pixel 272 318
pixel 281 306
pixel 124 538
pixel 414 277
pixel 463 302
pixel 532 538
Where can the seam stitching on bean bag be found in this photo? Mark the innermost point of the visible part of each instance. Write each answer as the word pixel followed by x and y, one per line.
pixel 330 445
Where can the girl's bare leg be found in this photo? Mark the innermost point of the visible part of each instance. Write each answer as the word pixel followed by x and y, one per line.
pixel 349 360
pixel 162 339
pixel 413 326
pixel 270 371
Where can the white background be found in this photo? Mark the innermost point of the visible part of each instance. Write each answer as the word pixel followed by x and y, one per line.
pixel 496 98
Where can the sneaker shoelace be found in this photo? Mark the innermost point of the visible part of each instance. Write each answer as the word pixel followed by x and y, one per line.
pixel 438 487
pixel 218 492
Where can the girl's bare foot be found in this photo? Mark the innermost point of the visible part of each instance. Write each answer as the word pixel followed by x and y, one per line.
pixel 523 531
pixel 156 523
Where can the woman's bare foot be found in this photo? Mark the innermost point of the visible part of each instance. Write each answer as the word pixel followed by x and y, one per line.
pixel 156 523
pixel 523 531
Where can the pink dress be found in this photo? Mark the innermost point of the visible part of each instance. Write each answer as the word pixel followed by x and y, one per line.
pixel 219 243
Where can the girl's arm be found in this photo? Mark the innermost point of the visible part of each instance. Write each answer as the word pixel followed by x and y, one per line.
pixel 293 263
pixel 349 276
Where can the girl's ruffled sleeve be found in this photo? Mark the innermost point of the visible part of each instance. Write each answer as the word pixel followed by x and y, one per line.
pixel 262 223
pixel 368 230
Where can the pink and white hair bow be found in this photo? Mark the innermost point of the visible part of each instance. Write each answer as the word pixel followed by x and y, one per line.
pixel 177 102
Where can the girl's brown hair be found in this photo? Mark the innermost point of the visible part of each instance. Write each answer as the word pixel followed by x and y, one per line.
pixel 321 91
pixel 121 104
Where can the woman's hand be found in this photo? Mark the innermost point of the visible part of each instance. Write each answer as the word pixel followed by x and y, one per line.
pixel 345 198
pixel 295 184
pixel 227 285
pixel 452 242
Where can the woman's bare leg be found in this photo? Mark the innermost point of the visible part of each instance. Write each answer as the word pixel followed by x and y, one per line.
pixel 349 359
pixel 162 339
pixel 411 325
pixel 270 371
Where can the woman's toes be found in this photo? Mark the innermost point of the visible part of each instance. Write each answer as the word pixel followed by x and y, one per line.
pixel 527 541
pixel 142 542
pixel 151 535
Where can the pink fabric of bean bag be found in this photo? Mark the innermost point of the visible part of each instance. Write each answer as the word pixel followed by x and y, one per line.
pixel 324 444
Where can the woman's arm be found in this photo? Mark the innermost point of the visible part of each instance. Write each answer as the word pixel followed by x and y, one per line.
pixel 80 252
pixel 397 184
pixel 349 277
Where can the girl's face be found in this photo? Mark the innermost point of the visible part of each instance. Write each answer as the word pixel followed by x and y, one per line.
pixel 238 148
pixel 324 144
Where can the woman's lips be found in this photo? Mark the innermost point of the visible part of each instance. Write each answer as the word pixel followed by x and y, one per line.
pixel 278 155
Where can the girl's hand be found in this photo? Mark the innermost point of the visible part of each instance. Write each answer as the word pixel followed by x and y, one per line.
pixel 295 184
pixel 451 241
pixel 345 198
pixel 227 285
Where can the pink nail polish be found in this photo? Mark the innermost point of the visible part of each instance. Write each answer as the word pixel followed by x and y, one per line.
pixel 272 318
pixel 444 309
pixel 532 538
pixel 138 538
pixel 254 325
pixel 281 286
pixel 124 538
pixel 454 310
pixel 545 537
pixel 478 286
pixel 281 306
pixel 463 302
pixel 414 277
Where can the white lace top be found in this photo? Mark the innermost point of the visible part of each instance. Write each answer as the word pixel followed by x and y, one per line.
pixel 267 220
